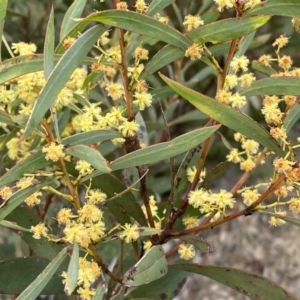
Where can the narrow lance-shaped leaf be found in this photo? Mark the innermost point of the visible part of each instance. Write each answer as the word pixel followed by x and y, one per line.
pixel 5 118
pixel 35 288
pixel 252 286
pixel 227 29
pixel 289 8
pixel 24 271
pixel 274 86
pixel 166 287
pixel 60 75
pixel 90 155
pixel 262 69
pixel 74 32
pixel 100 291
pixel 72 274
pixel 152 266
pixel 293 221
pixel 74 11
pixel 198 242
pixel 30 164
pixel 17 66
pixel 164 150
pixel 3 7
pixel 141 24
pixel 13 225
pixel 123 207
pixel 163 57
pixel 216 32
pixel 18 197
pixel 292 117
pixel 49 45
pixel 226 115
pixel 90 137
pixel 158 5
pixel 42 248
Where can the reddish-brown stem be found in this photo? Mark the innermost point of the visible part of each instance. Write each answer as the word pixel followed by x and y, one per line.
pixel 99 261
pixel 248 211
pixel 239 183
pixel 246 175
pixel 123 72
pixel 68 182
pixel 49 200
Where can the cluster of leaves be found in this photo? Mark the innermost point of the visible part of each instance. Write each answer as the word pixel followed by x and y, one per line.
pixel 81 148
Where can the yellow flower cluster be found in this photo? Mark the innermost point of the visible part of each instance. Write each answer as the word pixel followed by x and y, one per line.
pixel 6 192
pixel 241 6
pixel 207 201
pixel 191 172
pixel 250 148
pixel 186 251
pixel 154 212
pixel 192 22
pixel 85 227
pixel 232 80
pixel 130 233
pixel 88 272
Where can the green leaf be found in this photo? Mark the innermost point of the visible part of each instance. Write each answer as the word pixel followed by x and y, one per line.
pixel 274 86
pixel 181 176
pixel 250 285
pixel 36 287
pixel 15 67
pixel 215 173
pixel 141 24
pixel 100 291
pixel 146 231
pixel 90 137
pixel 49 45
pixel 194 115
pixel 74 33
pixel 289 8
pixel 157 6
pixel 30 164
pixel 262 69
pixel 18 197
pixel 293 221
pixel 245 42
pixel 142 132
pixel 72 274
pixel 122 207
pixel 60 75
pixel 42 247
pixel 5 118
pixel 163 57
pixel 119 296
pixel 151 266
pixel 292 117
pixel 164 150
pixel 74 11
pixel 90 155
pixel 199 242
pixel 165 288
pixel 227 29
pixel 13 225
pixel 25 270
pixel 226 115
pixel 3 8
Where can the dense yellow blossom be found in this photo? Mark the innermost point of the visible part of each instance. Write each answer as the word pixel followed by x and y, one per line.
pixel 130 233
pixel 186 251
pixel 53 151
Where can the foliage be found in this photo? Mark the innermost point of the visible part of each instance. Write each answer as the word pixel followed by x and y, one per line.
pixel 106 138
